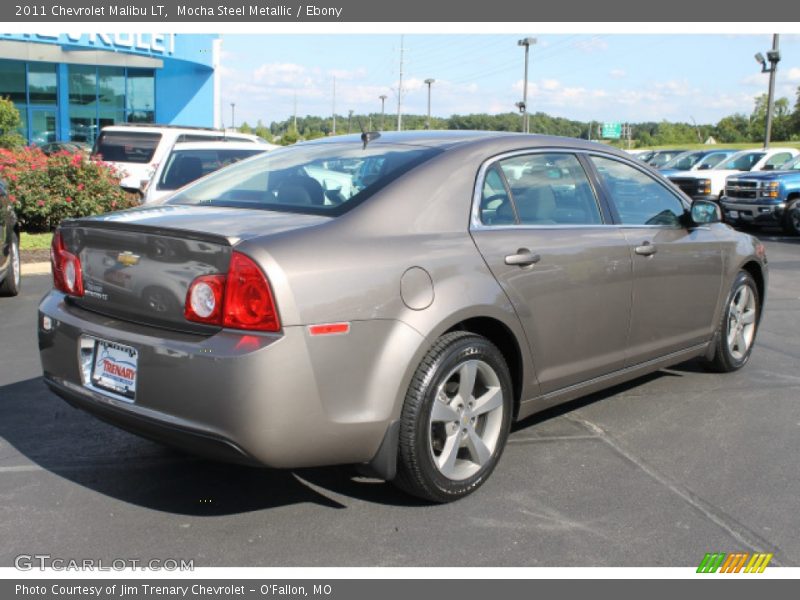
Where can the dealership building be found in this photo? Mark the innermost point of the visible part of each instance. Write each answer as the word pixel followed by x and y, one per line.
pixel 69 86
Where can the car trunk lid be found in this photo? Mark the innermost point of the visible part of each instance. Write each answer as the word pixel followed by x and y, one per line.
pixel 137 265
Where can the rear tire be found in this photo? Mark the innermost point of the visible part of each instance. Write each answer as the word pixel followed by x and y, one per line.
pixel 455 419
pixel 13 278
pixel 737 329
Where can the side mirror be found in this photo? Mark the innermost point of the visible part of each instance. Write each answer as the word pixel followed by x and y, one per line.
pixel 705 212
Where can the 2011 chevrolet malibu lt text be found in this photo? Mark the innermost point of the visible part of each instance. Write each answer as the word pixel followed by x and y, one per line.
pixel 392 300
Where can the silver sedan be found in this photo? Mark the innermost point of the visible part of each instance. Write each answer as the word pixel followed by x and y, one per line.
pixel 393 301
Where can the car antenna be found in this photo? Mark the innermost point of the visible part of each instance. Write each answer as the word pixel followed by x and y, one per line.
pixel 367 136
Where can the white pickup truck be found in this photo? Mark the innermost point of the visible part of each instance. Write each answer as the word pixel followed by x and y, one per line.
pixel 710 184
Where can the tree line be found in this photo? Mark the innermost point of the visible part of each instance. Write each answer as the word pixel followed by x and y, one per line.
pixel 736 128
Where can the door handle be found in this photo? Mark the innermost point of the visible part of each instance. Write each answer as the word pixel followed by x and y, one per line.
pixel 523 258
pixel 646 249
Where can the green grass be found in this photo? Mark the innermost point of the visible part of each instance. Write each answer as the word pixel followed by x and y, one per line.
pixel 35 241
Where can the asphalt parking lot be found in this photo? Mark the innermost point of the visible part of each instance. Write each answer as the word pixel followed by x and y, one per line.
pixel 654 473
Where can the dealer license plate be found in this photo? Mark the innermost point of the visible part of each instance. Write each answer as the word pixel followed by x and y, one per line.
pixel 115 368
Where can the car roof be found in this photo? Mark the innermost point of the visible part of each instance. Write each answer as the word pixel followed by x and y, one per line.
pixel 230 144
pixel 491 141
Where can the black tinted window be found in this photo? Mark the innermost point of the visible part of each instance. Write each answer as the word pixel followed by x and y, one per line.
pixel 639 198
pixel 127 146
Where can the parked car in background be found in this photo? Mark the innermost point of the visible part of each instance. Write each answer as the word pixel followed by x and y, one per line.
pixel 695 160
pixel 189 161
pixel 404 326
pixel 765 198
pixel 137 150
pixel 644 155
pixel 710 184
pixel 662 157
pixel 71 147
pixel 10 262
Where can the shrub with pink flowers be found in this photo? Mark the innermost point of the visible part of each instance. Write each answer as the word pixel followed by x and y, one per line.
pixel 46 189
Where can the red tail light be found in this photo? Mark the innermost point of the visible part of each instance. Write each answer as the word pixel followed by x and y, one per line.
pixel 240 300
pixel 67 272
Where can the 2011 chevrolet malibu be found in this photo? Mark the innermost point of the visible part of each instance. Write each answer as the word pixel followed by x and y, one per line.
pixel 393 301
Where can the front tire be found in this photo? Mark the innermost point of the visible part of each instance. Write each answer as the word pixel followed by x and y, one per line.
pixel 455 419
pixel 13 278
pixel 791 219
pixel 737 329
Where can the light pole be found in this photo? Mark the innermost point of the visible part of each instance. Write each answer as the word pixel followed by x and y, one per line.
pixel 773 56
pixel 349 120
pixel 526 42
pixel 383 111
pixel 233 121
pixel 428 122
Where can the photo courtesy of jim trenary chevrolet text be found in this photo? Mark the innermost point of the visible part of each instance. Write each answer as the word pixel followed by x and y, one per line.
pixel 355 299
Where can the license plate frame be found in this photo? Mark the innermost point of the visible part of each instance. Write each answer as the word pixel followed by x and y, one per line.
pixel 733 214
pixel 115 368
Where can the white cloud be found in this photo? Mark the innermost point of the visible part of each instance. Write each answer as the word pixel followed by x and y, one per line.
pixel 591 45
pixel 793 75
pixel 617 73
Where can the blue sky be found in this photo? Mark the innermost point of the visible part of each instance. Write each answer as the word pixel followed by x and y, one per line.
pixel 606 77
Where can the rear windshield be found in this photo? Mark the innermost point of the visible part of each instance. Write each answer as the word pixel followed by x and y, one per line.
pixel 126 146
pixel 184 166
pixel 321 179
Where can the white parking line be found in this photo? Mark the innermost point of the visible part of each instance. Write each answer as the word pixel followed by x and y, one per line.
pixel 21 469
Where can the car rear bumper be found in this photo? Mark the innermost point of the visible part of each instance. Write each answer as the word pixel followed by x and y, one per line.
pixel 280 400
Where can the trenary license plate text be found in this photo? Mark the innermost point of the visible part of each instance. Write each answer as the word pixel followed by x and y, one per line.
pixel 115 367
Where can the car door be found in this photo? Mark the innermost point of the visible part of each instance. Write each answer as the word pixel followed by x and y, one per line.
pixel 543 232
pixel 677 268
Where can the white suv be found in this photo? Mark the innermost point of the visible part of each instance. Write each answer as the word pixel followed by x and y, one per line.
pixel 137 150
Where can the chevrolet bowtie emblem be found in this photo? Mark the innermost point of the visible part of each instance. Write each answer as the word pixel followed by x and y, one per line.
pixel 128 258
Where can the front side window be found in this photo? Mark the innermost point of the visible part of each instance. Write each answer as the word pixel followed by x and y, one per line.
pixel 638 197
pixel 711 161
pixel 322 179
pixel 546 189
pixel 776 161
pixel 743 162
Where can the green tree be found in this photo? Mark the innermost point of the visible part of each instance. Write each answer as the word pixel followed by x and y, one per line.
pixel 245 128
pixel 10 124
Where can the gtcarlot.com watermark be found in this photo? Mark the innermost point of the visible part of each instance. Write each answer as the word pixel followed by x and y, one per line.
pixel 43 562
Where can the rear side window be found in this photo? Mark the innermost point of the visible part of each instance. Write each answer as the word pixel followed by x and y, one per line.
pixel 127 146
pixel 546 189
pixel 638 197
pixel 184 166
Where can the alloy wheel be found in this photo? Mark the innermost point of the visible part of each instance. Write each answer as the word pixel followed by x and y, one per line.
pixel 466 419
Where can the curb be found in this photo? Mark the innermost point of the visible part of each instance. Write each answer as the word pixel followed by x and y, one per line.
pixel 37 268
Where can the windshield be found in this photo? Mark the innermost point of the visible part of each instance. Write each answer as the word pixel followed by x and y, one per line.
pixel 684 162
pixel 743 162
pixel 184 166
pixel 126 146
pixel 321 179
